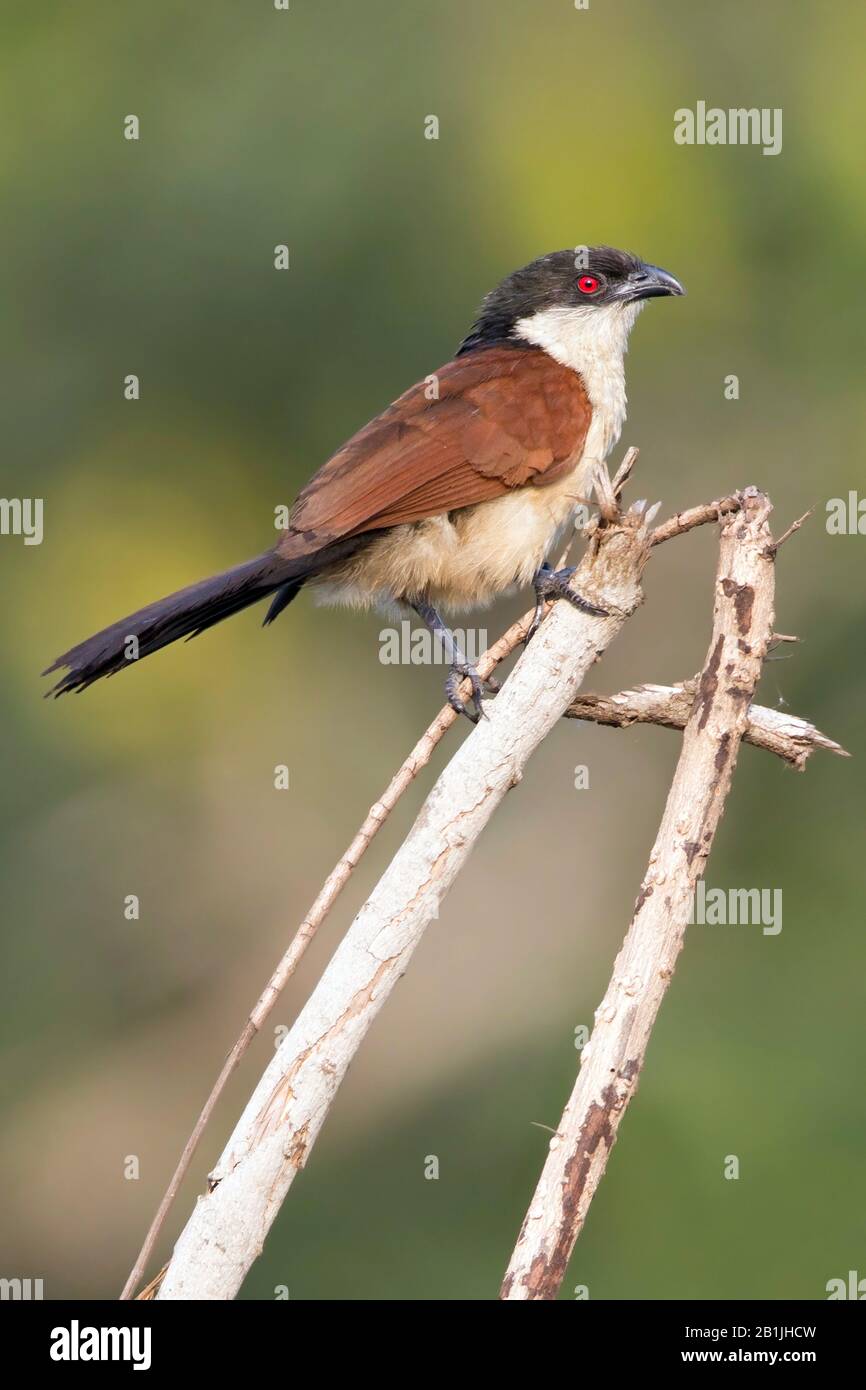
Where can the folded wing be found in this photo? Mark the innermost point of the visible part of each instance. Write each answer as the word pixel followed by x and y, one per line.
pixel 489 421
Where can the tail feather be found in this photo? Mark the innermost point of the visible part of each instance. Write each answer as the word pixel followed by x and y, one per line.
pixel 183 614
pixel 281 599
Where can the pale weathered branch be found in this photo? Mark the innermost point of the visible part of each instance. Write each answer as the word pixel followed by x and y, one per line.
pixel 790 738
pixel 612 1059
pixel 327 896
pixel 378 813
pixel 282 1119
pixel 325 899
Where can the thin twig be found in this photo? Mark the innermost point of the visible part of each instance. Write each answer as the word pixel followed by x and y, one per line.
pixel 695 516
pixel 148 1293
pixel 611 1061
pixel 625 470
pixel 795 526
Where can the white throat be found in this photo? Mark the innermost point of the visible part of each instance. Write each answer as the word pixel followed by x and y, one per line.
pixel 593 341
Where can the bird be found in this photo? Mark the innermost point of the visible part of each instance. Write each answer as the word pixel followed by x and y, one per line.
pixel 455 494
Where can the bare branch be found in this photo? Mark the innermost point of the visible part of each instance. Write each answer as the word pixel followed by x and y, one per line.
pixel 790 738
pixel 327 896
pixel 418 758
pixel 274 1136
pixel 695 516
pixel 612 1060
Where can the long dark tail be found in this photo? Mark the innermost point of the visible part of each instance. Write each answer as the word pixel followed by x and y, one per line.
pixel 184 614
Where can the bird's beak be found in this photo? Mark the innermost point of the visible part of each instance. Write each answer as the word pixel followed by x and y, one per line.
pixel 650 281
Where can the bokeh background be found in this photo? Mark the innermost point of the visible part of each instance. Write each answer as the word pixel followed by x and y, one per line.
pixel 156 258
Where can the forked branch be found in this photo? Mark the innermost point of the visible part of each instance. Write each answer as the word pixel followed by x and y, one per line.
pixel 790 738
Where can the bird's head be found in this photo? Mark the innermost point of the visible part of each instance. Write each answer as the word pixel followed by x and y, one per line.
pixel 579 295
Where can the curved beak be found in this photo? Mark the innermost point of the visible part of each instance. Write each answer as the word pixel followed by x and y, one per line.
pixel 650 281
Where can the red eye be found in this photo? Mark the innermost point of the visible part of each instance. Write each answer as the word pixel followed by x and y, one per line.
pixel 587 284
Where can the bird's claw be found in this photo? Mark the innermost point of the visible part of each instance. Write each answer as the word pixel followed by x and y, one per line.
pixel 460 672
pixel 536 621
pixel 553 584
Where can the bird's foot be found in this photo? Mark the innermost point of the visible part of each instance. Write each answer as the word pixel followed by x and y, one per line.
pixel 553 584
pixel 461 671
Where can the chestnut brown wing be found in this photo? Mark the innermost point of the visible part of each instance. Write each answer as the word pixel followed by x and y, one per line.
pixel 505 417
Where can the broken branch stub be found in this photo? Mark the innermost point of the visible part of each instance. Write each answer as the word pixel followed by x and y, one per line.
pixel 792 739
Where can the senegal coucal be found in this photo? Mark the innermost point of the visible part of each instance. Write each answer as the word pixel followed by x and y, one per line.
pixel 460 489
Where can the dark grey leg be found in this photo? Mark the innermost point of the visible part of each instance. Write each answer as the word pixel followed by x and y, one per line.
pixel 460 667
pixel 552 584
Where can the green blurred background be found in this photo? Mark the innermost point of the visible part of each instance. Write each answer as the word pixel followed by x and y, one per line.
pixel 156 258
